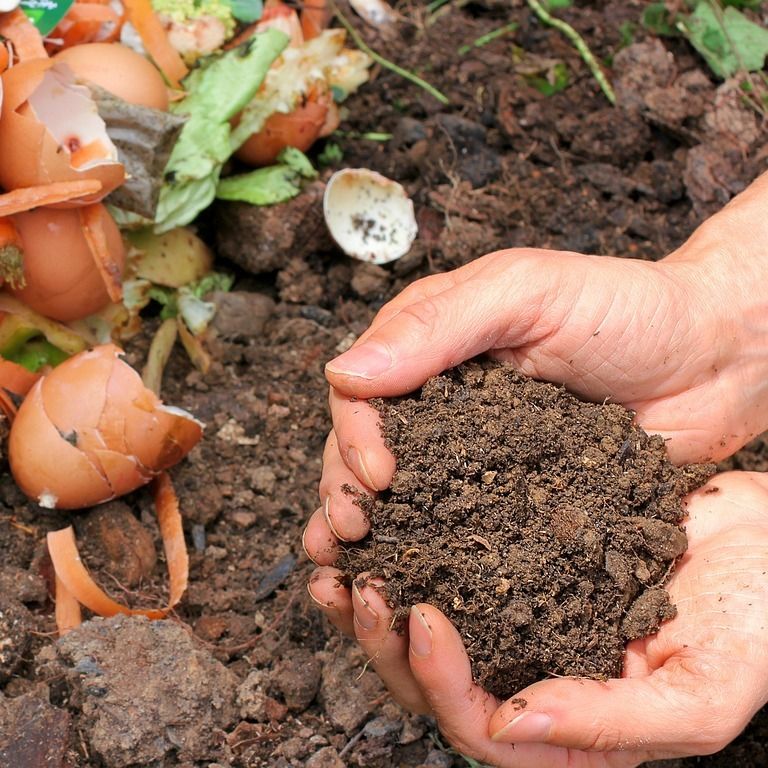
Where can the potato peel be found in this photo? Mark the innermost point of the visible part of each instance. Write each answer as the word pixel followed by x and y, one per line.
pixel 75 586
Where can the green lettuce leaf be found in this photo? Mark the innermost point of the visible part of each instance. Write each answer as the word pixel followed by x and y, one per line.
pixel 271 185
pixel 216 91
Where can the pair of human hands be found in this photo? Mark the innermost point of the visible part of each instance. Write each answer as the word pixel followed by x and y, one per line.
pixel 680 343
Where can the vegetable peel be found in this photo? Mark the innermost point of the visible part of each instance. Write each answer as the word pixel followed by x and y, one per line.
pixel 26 198
pixel 75 586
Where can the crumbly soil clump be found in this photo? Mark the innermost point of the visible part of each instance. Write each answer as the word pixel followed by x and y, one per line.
pixel 544 527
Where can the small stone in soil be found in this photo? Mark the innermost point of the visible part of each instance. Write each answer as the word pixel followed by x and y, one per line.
pixel 544 527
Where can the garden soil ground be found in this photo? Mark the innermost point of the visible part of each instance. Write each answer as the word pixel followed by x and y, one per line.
pixel 247 673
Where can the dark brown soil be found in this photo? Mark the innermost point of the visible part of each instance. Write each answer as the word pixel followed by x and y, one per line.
pixel 501 165
pixel 544 527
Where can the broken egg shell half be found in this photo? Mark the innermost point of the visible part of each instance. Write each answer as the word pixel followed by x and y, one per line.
pixel 54 130
pixel 69 286
pixel 90 431
pixel 369 216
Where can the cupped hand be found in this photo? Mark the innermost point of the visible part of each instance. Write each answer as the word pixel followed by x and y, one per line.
pixel 687 690
pixel 683 342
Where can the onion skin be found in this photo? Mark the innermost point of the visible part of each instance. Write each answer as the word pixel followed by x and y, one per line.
pixel 90 431
pixel 61 277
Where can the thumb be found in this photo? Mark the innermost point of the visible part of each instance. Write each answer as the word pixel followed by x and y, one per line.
pixel 677 710
pixel 499 302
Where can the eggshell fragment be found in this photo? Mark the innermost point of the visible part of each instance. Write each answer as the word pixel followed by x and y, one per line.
pixel 55 131
pixel 62 277
pixel 90 431
pixel 370 216
pixel 119 70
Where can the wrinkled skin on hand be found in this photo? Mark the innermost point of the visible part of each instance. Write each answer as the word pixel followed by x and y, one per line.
pixel 683 342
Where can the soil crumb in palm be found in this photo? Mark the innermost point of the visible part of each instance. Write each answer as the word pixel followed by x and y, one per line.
pixel 544 527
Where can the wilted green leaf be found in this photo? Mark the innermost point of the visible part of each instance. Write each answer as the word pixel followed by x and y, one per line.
pixel 217 90
pixel 267 186
pixel 730 43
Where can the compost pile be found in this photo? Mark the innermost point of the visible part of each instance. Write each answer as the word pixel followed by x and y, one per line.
pixel 543 526
pixel 526 151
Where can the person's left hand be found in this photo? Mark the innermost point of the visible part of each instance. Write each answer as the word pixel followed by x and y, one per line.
pixel 690 689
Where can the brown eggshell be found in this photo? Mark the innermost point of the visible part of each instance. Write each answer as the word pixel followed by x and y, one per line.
pixel 123 473
pixel 62 392
pixel 46 466
pixel 297 129
pixel 37 158
pixel 157 435
pixel 70 464
pixel 62 281
pixel 118 69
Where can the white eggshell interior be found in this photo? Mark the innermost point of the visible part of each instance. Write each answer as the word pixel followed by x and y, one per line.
pixel 369 216
pixel 69 114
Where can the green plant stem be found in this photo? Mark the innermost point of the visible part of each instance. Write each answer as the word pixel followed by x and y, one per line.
pixel 487 38
pixel 386 63
pixel 580 45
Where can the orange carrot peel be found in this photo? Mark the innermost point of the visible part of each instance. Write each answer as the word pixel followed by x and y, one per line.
pixel 109 269
pixel 25 198
pixel 26 40
pixel 85 23
pixel 75 586
pixel 152 34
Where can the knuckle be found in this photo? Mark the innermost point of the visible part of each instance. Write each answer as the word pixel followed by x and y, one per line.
pixel 425 314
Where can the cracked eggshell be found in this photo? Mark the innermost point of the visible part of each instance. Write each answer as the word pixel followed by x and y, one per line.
pixel 90 431
pixel 68 287
pixel 55 131
pixel 369 216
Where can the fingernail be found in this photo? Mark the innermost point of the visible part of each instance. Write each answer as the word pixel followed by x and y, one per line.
pixel 367 361
pixel 319 603
pixel 420 634
pixel 327 513
pixel 365 616
pixel 528 726
pixel 304 545
pixel 357 465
